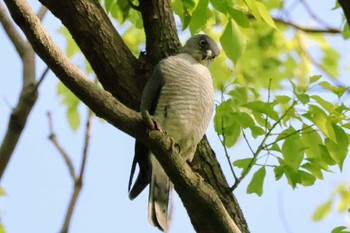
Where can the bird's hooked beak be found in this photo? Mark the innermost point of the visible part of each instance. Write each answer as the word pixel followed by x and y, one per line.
pixel 208 55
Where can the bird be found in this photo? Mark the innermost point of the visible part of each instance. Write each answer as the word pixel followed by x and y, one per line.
pixel 180 97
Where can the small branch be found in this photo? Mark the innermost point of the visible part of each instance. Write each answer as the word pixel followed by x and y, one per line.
pixel 59 147
pixel 42 12
pixel 314 16
pixel 86 143
pixel 11 31
pixel 260 148
pixel 223 140
pixel 42 77
pixel 288 135
pixel 305 29
pixel 78 181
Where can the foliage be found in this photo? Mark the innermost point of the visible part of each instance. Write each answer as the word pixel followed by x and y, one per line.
pixel 300 135
pixel 342 203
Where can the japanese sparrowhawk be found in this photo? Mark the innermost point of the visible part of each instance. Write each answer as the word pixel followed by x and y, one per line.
pixel 180 96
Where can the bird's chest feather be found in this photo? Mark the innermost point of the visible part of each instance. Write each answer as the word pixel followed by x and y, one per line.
pixel 186 99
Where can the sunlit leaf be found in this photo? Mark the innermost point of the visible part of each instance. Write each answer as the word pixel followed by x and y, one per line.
pixel 263 107
pixel 200 16
pixel 306 178
pixel 257 182
pixel 292 151
pixel 265 15
pixel 242 163
pixel 322 211
pixel 340 229
pixel 233 41
pixel 315 78
pixel 240 18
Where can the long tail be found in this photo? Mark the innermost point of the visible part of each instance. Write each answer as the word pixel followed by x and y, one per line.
pixel 159 194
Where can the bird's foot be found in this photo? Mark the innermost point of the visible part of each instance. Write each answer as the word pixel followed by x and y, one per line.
pixel 150 122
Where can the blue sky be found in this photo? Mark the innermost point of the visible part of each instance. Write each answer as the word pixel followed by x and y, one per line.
pixel 38 185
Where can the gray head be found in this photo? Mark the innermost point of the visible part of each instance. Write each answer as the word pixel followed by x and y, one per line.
pixel 202 48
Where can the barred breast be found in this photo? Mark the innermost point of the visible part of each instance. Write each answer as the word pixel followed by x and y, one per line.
pixel 186 100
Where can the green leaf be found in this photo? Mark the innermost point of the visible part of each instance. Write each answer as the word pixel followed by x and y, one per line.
pixel 242 163
pixel 108 4
pixel 315 78
pixel 231 134
pixel 311 140
pixel 303 98
pixel 324 104
pixel 339 91
pixel 219 5
pixel 256 185
pixel 340 229
pixel 200 16
pixel 293 152
pixel 240 18
pixel 257 131
pixel 124 7
pixel 2 192
pixel 346 31
pixel 339 149
pixel 319 118
pixel 262 107
pixel 71 47
pixel 265 15
pixel 233 41
pixel 314 168
pixel 71 102
pixel 279 171
pixel 306 178
pixel 282 99
pixel 322 211
pixel 2 229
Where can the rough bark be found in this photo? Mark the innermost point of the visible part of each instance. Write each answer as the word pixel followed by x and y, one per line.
pixel 345 4
pixel 206 210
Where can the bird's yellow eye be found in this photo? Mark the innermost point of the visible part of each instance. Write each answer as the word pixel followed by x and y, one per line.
pixel 202 42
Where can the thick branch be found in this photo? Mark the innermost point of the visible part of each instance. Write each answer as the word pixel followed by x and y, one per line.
pixel 28 95
pixel 345 4
pixel 160 29
pixel 102 46
pixel 104 105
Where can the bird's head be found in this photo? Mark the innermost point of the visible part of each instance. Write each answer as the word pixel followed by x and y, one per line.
pixel 202 48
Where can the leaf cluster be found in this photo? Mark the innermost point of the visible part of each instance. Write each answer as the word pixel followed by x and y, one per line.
pixel 300 135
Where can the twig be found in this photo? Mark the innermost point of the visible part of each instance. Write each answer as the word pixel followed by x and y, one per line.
pixel 43 75
pixel 59 147
pixel 260 148
pixel 314 16
pixel 306 29
pixel 223 143
pixel 42 12
pixel 11 31
pixel 288 135
pixel 78 181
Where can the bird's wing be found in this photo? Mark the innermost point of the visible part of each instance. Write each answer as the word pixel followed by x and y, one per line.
pixel 149 102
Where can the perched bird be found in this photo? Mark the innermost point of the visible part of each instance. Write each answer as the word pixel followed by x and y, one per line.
pixel 180 96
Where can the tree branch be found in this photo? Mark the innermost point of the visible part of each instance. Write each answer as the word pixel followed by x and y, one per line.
pixel 102 46
pixel 60 148
pixel 11 31
pixel 191 188
pixel 305 29
pixel 28 95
